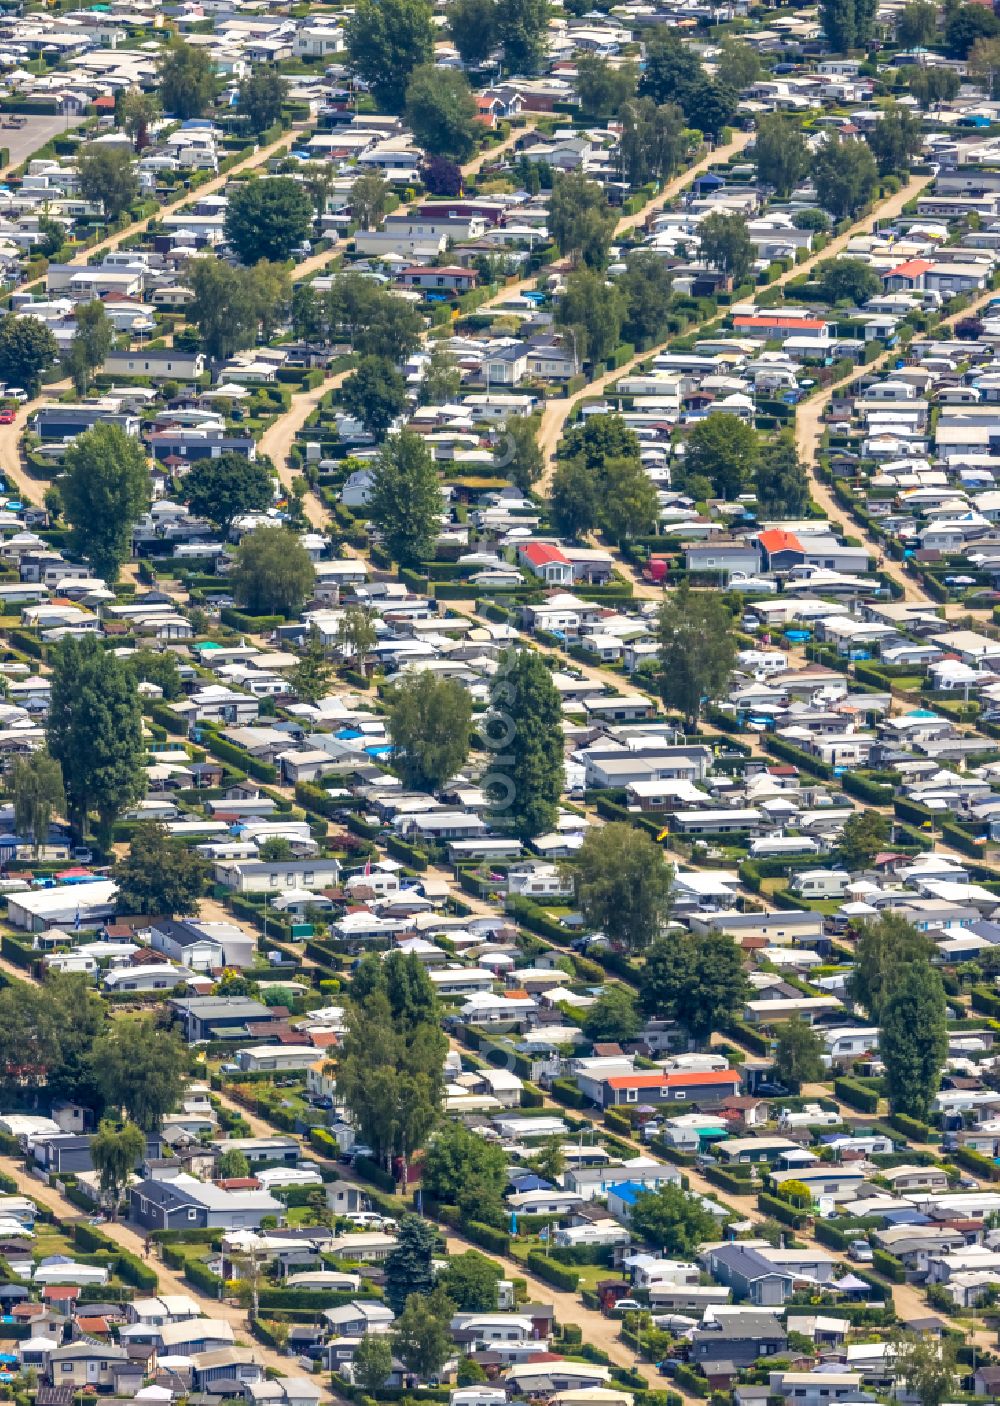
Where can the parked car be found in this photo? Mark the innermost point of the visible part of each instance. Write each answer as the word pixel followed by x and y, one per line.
pixel 17 393
pixel 860 1251
pixel 7 417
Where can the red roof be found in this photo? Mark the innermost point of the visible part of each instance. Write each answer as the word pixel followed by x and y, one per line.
pixel 911 268
pixel 539 553
pixel 775 539
pixel 61 1292
pixel 813 324
pixel 671 1081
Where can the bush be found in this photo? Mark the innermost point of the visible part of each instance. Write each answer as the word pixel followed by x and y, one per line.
pixel 911 1128
pixel 855 1095
pixel 828 1234
pixel 889 1266
pixel 976 1163
pixel 780 1210
pixel 559 1275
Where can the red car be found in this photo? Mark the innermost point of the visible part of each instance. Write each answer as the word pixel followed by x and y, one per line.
pixel 7 417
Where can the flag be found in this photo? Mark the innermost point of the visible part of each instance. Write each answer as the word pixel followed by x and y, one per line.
pixel 663 834
pixel 368 867
pixel 76 920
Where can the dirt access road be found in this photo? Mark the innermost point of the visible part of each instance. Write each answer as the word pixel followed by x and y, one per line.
pixel 557 412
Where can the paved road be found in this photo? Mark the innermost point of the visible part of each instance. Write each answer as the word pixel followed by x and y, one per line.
pixel 22 142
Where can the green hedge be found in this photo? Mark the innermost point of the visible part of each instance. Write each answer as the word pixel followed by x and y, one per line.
pixel 986 1001
pixel 911 1128
pixel 980 1166
pixel 855 1095
pixel 407 854
pixel 778 1209
pixel 565 1091
pixel 225 751
pixel 559 1275
pixel 828 1234
pixel 888 1265
pixel 804 760
pixel 855 783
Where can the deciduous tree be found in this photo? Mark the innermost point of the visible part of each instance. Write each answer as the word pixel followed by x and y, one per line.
pixel 473 29
pixel 37 783
pixel 369 198
pixel 697 981
pixel 799 1056
pixel 645 286
pixel 471 1281
pixel 896 139
pixel 844 174
pixel 372 1362
pixel 864 835
pixel 231 486
pixel 233 1163
pixel 580 219
pixel 312 675
pixel 781 483
pixel 92 341
pixel 420 1337
pixel 274 573
pixel 405 503
pixel 188 84
pixel 965 28
pixel 266 217
pixel 108 177
pixel 160 875
pixel 847 24
pixel 573 498
pixel 116 1150
pixel 523 730
pixel 913 1044
pixel 386 41
pixel 602 87
pixel 622 884
pixel 613 1016
pixel 137 111
pixel 916 25
pixel 520 27
pixel 850 280
pixel 593 309
pixel 157 666
pixel 697 649
pixel 232 306
pixel 726 451
pixel 430 721
pixel 260 96
pixel 780 153
pixel 375 394
pixel 518 456
pixel 726 245
pixel 142 1068
pixel 884 950
pixel 441 111
pixel 27 348
pixel 105 489
pixel 673 1221
pixel 627 500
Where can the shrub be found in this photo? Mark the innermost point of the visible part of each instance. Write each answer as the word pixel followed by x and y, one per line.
pixel 855 1095
pixel 559 1275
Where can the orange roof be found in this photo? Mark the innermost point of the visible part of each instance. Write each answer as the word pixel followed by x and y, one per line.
pixel 911 268
pixel 775 539
pixel 812 323
pixel 668 1081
